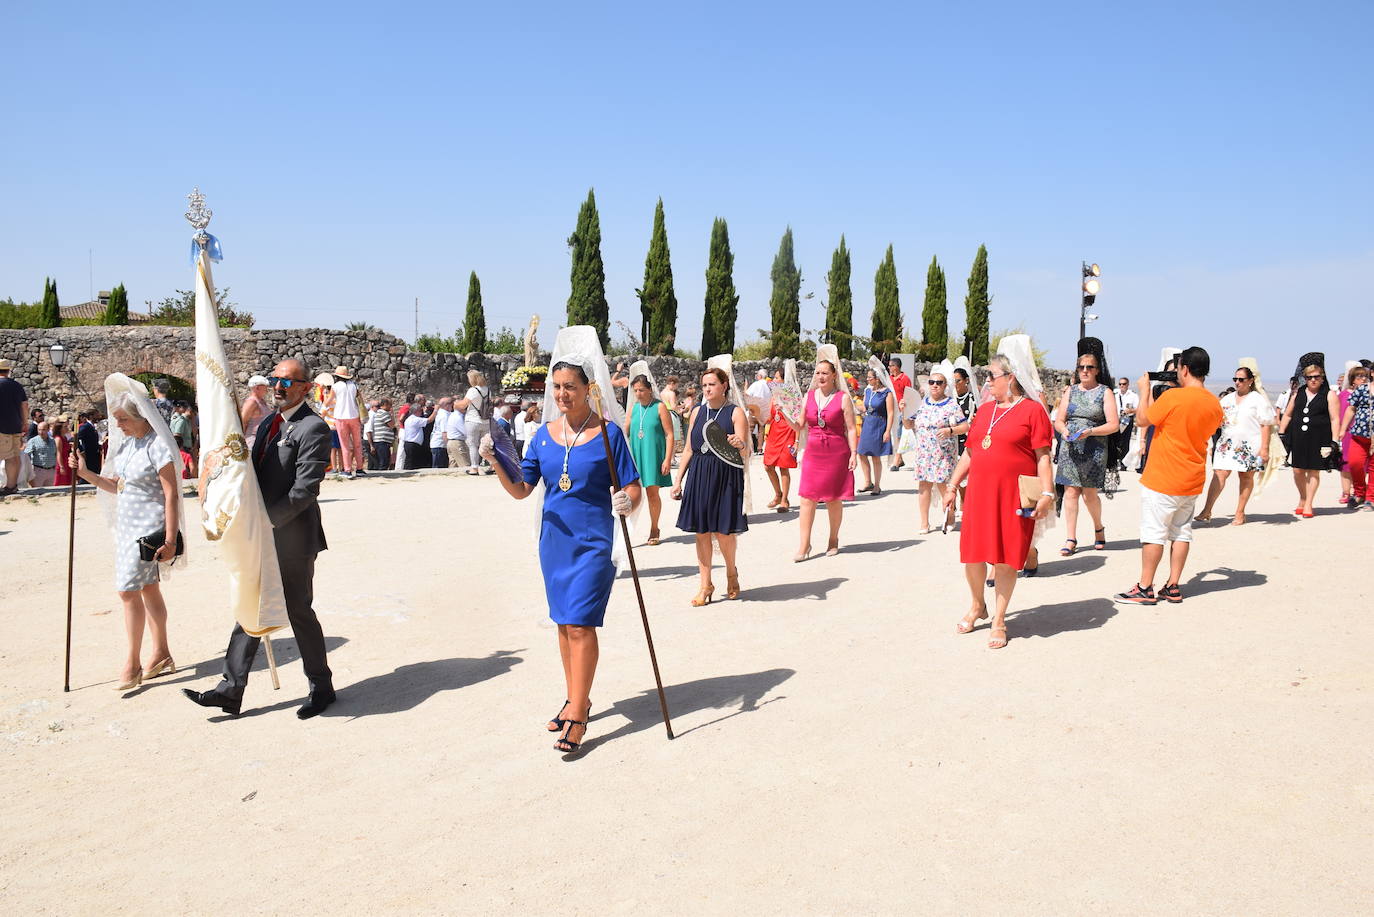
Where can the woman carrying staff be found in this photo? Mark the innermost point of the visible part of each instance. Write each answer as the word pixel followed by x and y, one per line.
pixel 713 498
pixel 1086 419
pixel 568 456
pixel 1008 439
pixel 1311 419
pixel 650 429
pixel 875 437
pixel 827 469
pixel 1244 444
pixel 143 473
pixel 938 423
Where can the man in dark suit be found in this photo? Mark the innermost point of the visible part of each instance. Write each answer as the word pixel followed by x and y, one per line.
pixel 88 441
pixel 290 453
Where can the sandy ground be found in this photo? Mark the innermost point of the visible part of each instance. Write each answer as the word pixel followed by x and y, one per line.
pixel 840 748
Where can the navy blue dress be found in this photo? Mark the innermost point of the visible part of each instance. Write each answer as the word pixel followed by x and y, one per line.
pixel 713 495
pixel 875 424
pixel 576 531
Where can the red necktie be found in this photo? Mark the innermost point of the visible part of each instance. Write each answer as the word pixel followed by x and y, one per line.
pixel 271 434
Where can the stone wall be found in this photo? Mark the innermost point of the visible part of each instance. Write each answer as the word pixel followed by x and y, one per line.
pixel 382 364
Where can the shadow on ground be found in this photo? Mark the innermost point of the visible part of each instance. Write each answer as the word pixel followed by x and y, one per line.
pixel 791 592
pixel 1220 580
pixel 736 693
pixel 1070 566
pixel 878 547
pixel 1049 620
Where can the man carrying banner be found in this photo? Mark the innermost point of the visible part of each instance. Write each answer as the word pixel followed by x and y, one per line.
pixel 289 456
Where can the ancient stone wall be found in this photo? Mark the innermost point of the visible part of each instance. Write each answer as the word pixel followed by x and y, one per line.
pixel 381 363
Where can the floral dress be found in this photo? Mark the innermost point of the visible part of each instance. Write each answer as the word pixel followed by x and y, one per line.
pixel 1243 432
pixel 934 457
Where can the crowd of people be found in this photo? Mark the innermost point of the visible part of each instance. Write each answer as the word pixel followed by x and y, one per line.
pixel 1000 461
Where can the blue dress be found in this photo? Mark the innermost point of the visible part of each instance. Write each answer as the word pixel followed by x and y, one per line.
pixel 713 496
pixel 875 423
pixel 576 531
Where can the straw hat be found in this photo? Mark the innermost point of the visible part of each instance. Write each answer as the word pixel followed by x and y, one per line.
pixel 342 372
pixel 6 364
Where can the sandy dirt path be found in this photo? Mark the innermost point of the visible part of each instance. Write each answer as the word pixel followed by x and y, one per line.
pixel 840 748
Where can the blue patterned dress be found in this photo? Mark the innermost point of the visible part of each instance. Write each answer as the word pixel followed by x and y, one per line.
pixel 577 528
pixel 1084 463
pixel 139 507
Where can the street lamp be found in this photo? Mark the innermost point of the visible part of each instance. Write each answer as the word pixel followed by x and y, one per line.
pixel 1091 287
pixel 58 354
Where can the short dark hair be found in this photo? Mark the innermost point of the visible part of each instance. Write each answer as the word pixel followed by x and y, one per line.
pixel 1197 360
pixel 961 373
pixel 564 364
pixel 643 380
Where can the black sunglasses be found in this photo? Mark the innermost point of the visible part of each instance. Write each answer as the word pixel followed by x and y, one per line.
pixel 1316 376
pixel 274 381
pixel 1083 366
pixel 1240 378
pixel 937 381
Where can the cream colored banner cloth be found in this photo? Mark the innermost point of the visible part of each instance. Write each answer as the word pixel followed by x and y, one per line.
pixel 232 509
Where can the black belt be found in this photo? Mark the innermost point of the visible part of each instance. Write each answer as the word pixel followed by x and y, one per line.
pixel 44 467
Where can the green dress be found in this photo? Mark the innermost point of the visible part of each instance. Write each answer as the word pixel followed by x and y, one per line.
pixel 648 444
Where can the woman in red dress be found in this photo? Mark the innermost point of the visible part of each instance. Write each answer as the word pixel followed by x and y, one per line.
pixel 64 447
pixel 780 455
pixel 1008 439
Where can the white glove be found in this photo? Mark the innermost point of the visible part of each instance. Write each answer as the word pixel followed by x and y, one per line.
pixel 485 448
pixel 621 504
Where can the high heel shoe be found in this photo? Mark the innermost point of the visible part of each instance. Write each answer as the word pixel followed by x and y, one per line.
pixel 167 666
pixel 832 549
pixel 732 584
pixel 802 555
pixel 130 685
pixel 566 745
pixel 703 597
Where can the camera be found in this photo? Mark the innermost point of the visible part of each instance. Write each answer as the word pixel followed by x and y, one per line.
pixel 1169 376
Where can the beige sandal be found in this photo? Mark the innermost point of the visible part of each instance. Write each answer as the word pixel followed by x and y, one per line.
pixel 997 643
pixel 967 625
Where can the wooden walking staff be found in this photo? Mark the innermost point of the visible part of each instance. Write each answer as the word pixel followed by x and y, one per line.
pixel 634 571
pixel 271 662
pixel 71 563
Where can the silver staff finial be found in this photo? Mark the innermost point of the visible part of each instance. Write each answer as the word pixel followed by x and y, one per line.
pixel 199 215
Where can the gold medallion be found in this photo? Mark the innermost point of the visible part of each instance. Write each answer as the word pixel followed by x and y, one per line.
pixel 565 483
pixel 641 434
pixel 987 441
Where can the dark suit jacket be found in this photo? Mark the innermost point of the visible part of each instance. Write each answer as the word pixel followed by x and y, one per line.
pixel 290 469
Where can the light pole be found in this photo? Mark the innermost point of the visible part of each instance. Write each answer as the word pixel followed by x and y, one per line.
pixel 58 355
pixel 1090 288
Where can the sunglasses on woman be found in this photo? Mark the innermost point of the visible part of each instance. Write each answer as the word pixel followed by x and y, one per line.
pixel 1315 376
pixel 1084 367
pixel 1240 379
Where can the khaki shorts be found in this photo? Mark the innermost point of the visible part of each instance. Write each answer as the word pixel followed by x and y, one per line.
pixel 11 444
pixel 1165 518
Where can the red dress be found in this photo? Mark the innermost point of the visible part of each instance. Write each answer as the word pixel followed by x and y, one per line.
pixel 64 473
pixel 779 449
pixel 992 533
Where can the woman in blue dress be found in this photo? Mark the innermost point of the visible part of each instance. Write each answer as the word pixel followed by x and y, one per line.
pixel 576 532
pixel 713 499
pixel 875 436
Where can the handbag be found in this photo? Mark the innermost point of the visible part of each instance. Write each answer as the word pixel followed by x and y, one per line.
pixel 149 544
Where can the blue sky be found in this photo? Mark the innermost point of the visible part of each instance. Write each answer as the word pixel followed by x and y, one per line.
pixel 1214 158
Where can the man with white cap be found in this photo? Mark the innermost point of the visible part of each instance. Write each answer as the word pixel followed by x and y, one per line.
pixel 255 407
pixel 14 409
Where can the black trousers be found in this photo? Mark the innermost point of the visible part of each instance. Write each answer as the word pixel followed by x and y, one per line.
pixel 298 582
pixel 382 452
pixel 416 456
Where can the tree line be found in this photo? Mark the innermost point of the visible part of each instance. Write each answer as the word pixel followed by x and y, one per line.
pixel 587 303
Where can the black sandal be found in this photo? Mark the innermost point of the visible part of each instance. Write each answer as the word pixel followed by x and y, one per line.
pixel 556 724
pixel 566 745
pixel 1100 544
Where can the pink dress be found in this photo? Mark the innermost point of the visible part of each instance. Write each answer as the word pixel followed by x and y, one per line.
pixel 825 473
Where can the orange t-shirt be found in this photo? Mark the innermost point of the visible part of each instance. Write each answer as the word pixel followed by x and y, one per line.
pixel 1184 420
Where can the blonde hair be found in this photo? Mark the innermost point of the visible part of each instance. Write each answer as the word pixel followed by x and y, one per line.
pixel 475 377
pixel 1003 362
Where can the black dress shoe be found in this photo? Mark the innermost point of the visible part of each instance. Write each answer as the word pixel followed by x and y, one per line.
pixel 316 704
pixel 229 705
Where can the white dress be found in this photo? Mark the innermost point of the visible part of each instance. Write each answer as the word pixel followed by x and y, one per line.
pixel 1242 432
pixel 139 507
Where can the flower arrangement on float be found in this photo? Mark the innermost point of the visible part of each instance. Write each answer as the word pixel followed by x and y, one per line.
pixel 526 378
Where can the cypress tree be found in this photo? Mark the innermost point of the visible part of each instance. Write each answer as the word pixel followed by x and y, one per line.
pixel 587 301
pixel 475 319
pixel 117 309
pixel 50 313
pixel 657 301
pixel 785 303
pixel 887 310
pixel 722 302
pixel 839 311
pixel 935 313
pixel 976 308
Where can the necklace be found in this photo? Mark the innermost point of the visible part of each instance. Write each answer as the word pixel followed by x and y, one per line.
pixel 822 405
pixel 640 412
pixel 565 482
pixel 987 439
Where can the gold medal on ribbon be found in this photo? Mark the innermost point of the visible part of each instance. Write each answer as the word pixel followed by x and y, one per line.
pixel 565 482
pixel 987 442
